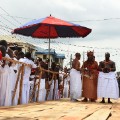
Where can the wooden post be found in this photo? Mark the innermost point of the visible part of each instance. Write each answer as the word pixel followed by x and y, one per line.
pixel 54 87
pixel 63 85
pixel 16 84
pixel 47 93
pixel 21 84
pixel 33 93
pixel 83 71
pixel 34 88
pixel 39 84
pixel 69 90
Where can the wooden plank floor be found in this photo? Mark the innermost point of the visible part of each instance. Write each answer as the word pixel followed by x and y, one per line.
pixel 62 110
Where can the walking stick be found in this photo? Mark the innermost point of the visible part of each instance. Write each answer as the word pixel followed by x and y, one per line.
pixel 48 90
pixel 82 73
pixel 21 84
pixel 54 87
pixel 34 88
pixel 39 83
pixel 63 85
pixel 16 84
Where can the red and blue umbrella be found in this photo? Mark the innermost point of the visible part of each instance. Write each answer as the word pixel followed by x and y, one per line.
pixel 51 27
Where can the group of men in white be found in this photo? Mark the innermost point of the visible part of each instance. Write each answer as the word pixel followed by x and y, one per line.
pixel 8 76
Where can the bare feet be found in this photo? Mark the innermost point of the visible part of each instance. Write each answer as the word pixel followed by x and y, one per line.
pixel 92 100
pixel 102 101
pixel 84 100
pixel 109 102
pixel 74 100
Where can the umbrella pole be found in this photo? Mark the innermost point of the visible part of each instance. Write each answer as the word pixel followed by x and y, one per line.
pixel 49 48
pixel 49 54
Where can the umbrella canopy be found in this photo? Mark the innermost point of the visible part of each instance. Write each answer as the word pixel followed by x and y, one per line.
pixel 51 27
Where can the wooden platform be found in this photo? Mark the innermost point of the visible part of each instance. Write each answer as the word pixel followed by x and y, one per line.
pixel 62 110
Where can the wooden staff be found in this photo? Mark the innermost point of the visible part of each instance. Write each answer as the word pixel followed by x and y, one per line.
pixel 33 93
pixel 34 88
pixel 69 90
pixel 39 84
pixel 48 90
pixel 21 85
pixel 63 85
pixel 16 84
pixel 54 87
pixel 82 72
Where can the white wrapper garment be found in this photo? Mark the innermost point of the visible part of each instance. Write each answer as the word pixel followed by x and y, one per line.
pixel 75 84
pixel 57 94
pixel 66 87
pixel 42 91
pixel 107 85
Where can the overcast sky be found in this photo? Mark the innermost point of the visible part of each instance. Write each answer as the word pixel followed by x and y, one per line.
pixel 89 13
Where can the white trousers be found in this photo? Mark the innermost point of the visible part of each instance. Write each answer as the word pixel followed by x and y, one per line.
pixel 25 93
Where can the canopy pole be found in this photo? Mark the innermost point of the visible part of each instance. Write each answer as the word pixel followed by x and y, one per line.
pixel 49 54
pixel 49 49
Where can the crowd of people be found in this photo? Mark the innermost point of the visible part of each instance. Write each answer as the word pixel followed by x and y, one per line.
pixel 37 84
pixel 93 80
pixel 41 82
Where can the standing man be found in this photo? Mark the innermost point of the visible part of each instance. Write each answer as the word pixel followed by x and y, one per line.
pixel 75 79
pixel 90 76
pixel 26 77
pixel 107 82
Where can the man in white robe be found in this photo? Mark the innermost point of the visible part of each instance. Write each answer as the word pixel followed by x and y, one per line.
pixel 27 71
pixel 75 79
pixel 107 82
pixel 5 83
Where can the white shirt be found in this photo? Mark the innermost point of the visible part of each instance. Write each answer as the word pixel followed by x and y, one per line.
pixel 27 70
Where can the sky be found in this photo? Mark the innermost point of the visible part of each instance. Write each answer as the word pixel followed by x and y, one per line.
pixel 102 16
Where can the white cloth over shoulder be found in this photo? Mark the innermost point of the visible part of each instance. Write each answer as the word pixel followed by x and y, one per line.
pixel 75 84
pixel 107 85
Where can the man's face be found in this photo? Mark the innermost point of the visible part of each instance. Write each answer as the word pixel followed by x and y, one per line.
pixel 107 56
pixel 78 57
pixel 65 69
pixel 90 56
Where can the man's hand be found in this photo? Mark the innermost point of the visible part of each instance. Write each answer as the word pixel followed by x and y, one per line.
pixel 106 70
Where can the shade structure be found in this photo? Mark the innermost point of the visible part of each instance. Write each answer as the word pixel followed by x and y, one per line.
pixel 51 27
